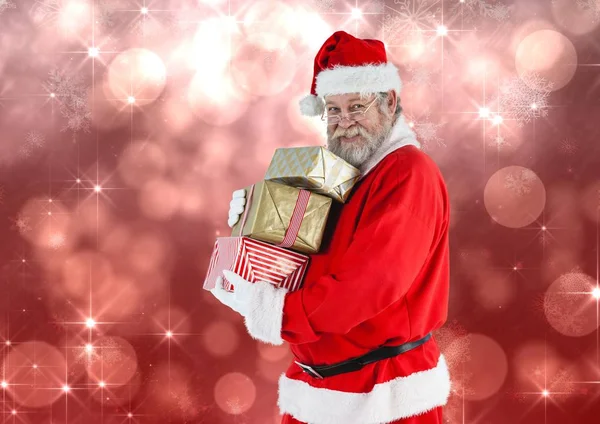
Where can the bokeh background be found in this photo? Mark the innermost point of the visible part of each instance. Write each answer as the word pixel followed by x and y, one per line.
pixel 125 126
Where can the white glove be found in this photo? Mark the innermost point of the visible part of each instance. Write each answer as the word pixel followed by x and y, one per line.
pixel 261 304
pixel 236 206
pixel 241 297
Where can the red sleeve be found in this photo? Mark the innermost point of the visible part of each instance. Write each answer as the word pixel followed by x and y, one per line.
pixel 392 241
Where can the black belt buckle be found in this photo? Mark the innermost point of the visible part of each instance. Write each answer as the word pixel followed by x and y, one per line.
pixel 309 370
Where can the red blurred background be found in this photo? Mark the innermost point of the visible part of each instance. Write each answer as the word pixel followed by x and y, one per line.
pixel 126 125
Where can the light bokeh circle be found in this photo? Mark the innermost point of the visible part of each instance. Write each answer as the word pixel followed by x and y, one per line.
pixel 482 381
pixel 214 98
pixel 136 73
pixel 142 161
pixel 514 196
pixel 590 201
pixel 548 54
pixel 220 338
pixel 574 16
pixel 261 71
pixel 114 362
pixel 35 372
pixel 235 393
pixel 569 305
pixel 270 22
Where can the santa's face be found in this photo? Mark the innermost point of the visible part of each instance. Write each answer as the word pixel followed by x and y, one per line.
pixel 356 141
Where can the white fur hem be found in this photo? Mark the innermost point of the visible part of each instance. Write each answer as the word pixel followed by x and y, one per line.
pixel 265 318
pixel 396 399
pixel 358 79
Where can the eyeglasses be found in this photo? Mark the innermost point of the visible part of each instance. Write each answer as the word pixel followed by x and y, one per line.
pixel 359 115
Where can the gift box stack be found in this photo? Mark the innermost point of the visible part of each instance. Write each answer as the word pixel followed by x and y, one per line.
pixel 284 218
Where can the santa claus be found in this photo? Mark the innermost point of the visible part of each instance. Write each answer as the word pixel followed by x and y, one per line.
pixel 360 328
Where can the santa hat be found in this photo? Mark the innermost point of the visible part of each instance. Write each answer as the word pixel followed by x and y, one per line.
pixel 346 64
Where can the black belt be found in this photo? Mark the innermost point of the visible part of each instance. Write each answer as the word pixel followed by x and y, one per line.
pixel 355 364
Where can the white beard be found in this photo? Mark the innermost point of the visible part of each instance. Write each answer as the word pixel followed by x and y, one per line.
pixel 358 152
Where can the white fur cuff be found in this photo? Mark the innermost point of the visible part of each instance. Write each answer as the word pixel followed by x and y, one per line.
pixel 265 318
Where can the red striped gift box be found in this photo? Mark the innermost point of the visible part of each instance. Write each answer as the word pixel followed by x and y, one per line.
pixel 255 261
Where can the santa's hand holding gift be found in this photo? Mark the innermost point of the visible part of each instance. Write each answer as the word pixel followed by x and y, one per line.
pixel 253 301
pixel 360 326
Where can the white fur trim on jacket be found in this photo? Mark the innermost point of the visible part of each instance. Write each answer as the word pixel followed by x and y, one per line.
pixel 264 320
pixel 396 399
pixel 401 135
pixel 358 79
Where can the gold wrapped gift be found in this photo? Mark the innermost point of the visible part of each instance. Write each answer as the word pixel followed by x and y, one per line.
pixel 269 211
pixel 315 169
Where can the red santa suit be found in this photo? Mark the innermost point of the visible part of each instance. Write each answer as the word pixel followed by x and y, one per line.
pixel 380 279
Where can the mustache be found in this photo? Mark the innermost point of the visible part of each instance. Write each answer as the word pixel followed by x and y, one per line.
pixel 348 132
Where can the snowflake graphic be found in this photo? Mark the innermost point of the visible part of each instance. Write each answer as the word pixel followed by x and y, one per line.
pixel 26 150
pixel 33 140
pixel 499 141
pixel 544 238
pixel 562 382
pixel 590 7
pixel 524 98
pixel 471 10
pixel 106 15
pixel 426 131
pixel 85 355
pixel 376 7
pixel 188 406
pixel 152 24
pixel 559 382
pixel 107 351
pixel 421 76
pixel 47 11
pixel 412 21
pixel 568 321
pixel 537 303
pixel 324 5
pixel 538 371
pixel 454 409
pixel 520 181
pixel 56 241
pixel 454 342
pixel 235 406
pixel 142 25
pixel 72 97
pixel 463 386
pixel 568 147
pixel 22 224
pixel 6 4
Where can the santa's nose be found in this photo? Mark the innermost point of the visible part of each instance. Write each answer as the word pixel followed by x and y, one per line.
pixel 346 123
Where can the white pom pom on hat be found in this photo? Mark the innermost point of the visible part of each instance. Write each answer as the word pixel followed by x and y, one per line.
pixel 312 105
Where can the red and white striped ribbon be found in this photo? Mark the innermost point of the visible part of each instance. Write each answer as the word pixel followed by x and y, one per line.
pixel 296 221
